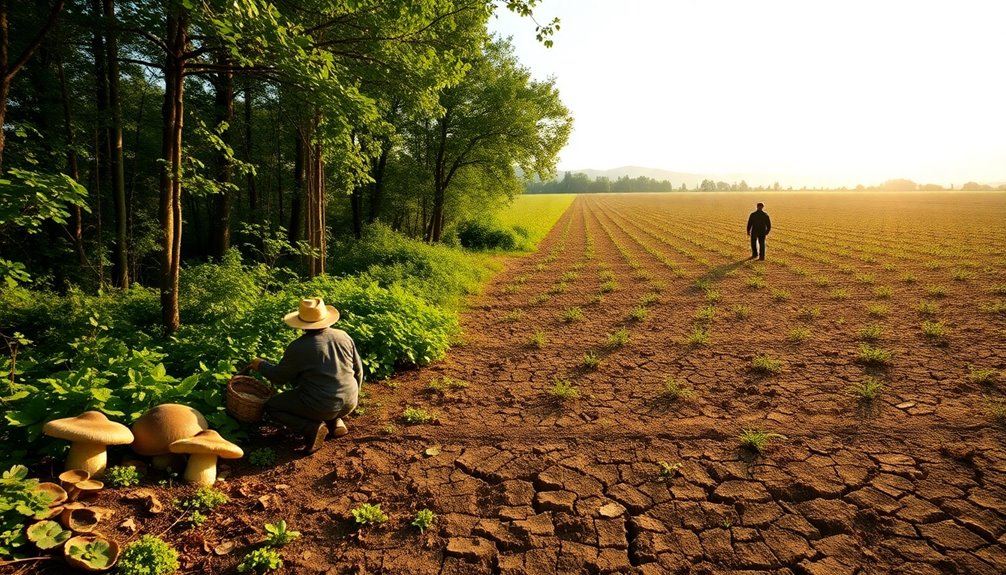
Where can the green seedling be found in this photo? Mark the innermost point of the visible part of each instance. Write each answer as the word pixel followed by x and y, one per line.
pixel 983 376
pixel 261 560
pixel 755 282
pixel 668 470
pixel 798 334
pixel 573 314
pixel 123 476
pixel 538 339
pixel 927 308
pixel 780 295
pixel 872 332
pixel 609 286
pixel 936 291
pixel 883 292
pixel 764 364
pixel 839 294
pixel 757 440
pixel 877 310
pixel 649 298
pixel 148 555
pixel 865 278
pixel 707 313
pixel 675 389
pixel 867 390
pixel 741 311
pixel 871 355
pixel 563 389
pixel 569 277
pixel 424 519
pixel 415 415
pixel 441 385
pixel 639 313
pixel 204 498
pixel 809 313
pixel 279 535
pixel 367 514
pixel 934 329
pixel 591 360
pixel 698 336
pixel 909 278
pixel 514 316
pixel 713 296
pixel 618 338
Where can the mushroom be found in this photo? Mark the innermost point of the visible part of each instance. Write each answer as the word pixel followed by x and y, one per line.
pixel 89 487
pixel 161 426
pixel 88 434
pixel 69 480
pixel 203 450
pixel 58 494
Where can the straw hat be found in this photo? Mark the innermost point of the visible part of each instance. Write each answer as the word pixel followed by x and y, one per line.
pixel 312 314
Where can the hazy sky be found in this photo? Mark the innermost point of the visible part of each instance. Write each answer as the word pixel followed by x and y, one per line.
pixel 843 92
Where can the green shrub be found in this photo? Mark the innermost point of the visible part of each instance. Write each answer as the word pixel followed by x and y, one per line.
pixel 123 476
pixel 262 457
pixel 482 235
pixel 367 514
pixel 20 500
pixel 261 560
pixel 203 498
pixel 424 518
pixel 148 555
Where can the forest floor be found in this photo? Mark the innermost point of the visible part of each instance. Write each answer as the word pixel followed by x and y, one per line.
pixel 628 478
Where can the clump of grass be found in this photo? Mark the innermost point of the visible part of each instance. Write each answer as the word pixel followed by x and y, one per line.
pixel 883 292
pixel 557 288
pixel 572 314
pixel 936 291
pixel 839 294
pixel 798 334
pixel 871 355
pixel 780 295
pixel 765 364
pixel 514 316
pixel 713 296
pixel 756 439
pixel 540 298
pixel 890 267
pixel 618 338
pixel 598 299
pixel 809 313
pixel 799 271
pixel 649 298
pixel 511 288
pixel 962 275
pixel 441 385
pixel 997 307
pixel 676 389
pixel 927 308
pixel 741 311
pixel 538 339
pixel 606 275
pixel 639 313
pixel 866 390
pixel 872 332
pixel 591 360
pixel 934 330
pixel 416 415
pixel 706 313
pixel 865 278
pixel 569 277
pixel 982 375
pixel 909 278
pixel 702 284
pixel 822 281
pixel 563 389
pixel 755 282
pixel 609 286
pixel 995 407
pixel 657 286
pixel 698 336
pixel 877 309
pixel 641 274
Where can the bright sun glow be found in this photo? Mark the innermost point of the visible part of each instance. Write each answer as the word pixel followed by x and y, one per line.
pixel 807 92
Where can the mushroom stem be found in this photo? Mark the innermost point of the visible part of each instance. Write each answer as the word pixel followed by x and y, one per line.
pixel 202 469
pixel 89 456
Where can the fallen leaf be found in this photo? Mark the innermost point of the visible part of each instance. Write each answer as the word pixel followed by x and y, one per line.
pixel 224 548
pixel 265 501
pixel 128 525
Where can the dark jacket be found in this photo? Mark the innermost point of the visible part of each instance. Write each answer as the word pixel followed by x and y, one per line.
pixel 759 223
pixel 323 366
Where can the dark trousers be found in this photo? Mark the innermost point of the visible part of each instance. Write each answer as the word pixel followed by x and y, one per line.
pixel 758 246
pixel 290 409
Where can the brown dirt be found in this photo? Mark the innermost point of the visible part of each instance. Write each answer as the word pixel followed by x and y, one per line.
pixel 913 482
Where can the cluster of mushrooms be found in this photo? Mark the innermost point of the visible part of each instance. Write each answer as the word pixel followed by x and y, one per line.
pixel 163 433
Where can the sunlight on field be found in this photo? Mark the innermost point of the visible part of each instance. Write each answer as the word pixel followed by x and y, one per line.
pixel 535 213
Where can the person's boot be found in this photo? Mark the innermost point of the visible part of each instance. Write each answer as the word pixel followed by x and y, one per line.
pixel 314 439
pixel 336 428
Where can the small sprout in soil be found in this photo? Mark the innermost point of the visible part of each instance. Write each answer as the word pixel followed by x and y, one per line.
pixel 196 518
pixel 597 299
pixel 261 560
pixel 822 281
pixel 642 275
pixel 538 339
pixel 982 375
pixel 618 338
pixel 995 407
pixel 148 555
pixel 713 296
pixel 936 291
pixel 415 415
pixel 569 277
pixel 742 311
pixel 262 457
pixel 511 288
pixel 871 355
pixel 649 298
pixel 367 514
pixel 755 282
pixel 441 385
pixel 997 307
pixel 659 286
pixel 563 389
pixel 883 292
pixel 756 439
pixel 609 286
pixel 877 309
pixel 809 313
pixel 872 332
pixel 639 313
pixel 668 470
pixel 557 288
pixel 962 275
pixel 780 295
pixel 927 308
pixel 866 390
pixel 706 313
pixel 606 275
pixel 204 498
pixel 865 278
pixel 889 267
pixel 675 389
pixel 541 298
pixel 798 334
pixel 424 518
pixel 573 314
pixel 839 294
pixel 762 363
pixel 389 429
pixel 934 330
pixel 909 278
pixel 514 316
pixel 123 476
pixel 279 535
pixel 591 360
pixel 698 336
pixel 702 284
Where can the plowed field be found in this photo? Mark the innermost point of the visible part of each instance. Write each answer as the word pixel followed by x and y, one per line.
pixel 905 291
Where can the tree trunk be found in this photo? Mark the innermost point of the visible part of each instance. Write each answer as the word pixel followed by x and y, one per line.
pixel 77 230
pixel 101 143
pixel 252 193
pixel 120 273
pixel 220 226
pixel 170 208
pixel 377 188
pixel 293 231
pixel 356 203
pixel 315 212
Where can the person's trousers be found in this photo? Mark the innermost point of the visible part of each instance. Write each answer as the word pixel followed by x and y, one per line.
pixel 758 246
pixel 290 409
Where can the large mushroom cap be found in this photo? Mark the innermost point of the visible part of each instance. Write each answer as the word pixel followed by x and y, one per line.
pixel 163 425
pixel 90 426
pixel 205 443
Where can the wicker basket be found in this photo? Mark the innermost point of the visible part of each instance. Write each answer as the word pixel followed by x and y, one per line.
pixel 246 397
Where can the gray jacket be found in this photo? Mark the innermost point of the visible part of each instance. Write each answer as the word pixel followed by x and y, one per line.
pixel 323 366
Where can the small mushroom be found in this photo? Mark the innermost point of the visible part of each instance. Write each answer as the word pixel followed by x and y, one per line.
pixel 91 552
pixel 161 426
pixel 89 487
pixel 79 518
pixel 59 494
pixel 70 479
pixel 88 434
pixel 203 451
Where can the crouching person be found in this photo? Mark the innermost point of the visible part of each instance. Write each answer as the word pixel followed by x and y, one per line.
pixel 325 371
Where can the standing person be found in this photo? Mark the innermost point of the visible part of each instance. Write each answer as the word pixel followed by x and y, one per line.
pixel 759 225
pixel 325 371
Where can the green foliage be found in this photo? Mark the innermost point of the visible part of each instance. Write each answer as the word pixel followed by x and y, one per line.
pixel 415 415
pixel 927 308
pixel 28 198
pixel 765 364
pixel 367 514
pixel 618 338
pixel 706 313
pixel 698 336
pixel 444 384
pixel 871 355
pixel 669 470
pixel 196 518
pixel 780 295
pixel 675 389
pixel 538 339
pixel 262 457
pixel 98 554
pixel 756 439
pixel 639 313
pixel 563 390
pixel 485 235
pixel 279 535
pixel 934 329
pixel 148 555
pixel 867 390
pixel 982 375
pixel 261 560
pixel 872 332
pixel 877 310
pixel 741 311
pixel 204 498
pixel 591 360
pixel 47 534
pixel 609 286
pixel 573 314
pixel 424 519
pixel 798 334
pixel 20 500
pixel 809 313
pixel 122 476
